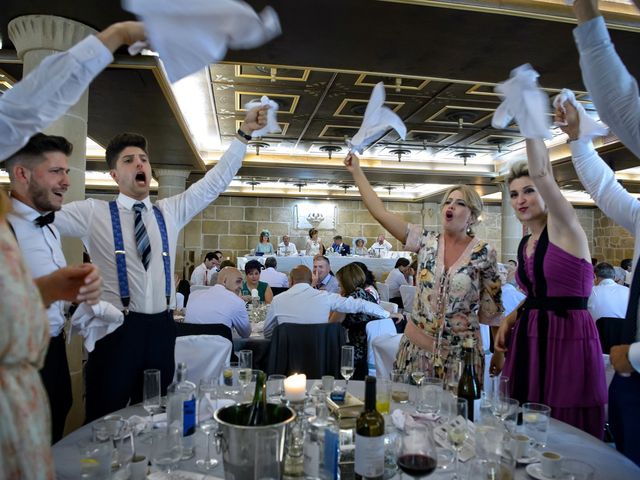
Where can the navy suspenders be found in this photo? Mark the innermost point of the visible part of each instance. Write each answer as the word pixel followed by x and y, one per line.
pixel 121 260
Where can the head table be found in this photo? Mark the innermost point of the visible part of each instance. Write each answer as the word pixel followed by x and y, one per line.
pixel 563 438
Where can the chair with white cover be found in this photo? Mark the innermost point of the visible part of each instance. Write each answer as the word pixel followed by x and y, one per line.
pixel 383 290
pixel 389 307
pixel 385 348
pixel 376 328
pixel 408 295
pixel 205 355
pixel 179 301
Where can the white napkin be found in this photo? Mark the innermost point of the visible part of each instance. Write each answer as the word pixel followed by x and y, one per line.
pixel 401 418
pixel 524 101
pixel 589 128
pixel 94 322
pixel 272 121
pixel 377 119
pixel 254 293
pixel 190 35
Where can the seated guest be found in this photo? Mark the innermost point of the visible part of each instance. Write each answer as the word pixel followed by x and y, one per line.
pixel 413 272
pixel 352 281
pixel 323 279
pixel 380 248
pixel 264 246
pixel 286 248
pixel 621 275
pixel 512 268
pixel 398 276
pixel 207 271
pixel 184 287
pixel 626 265
pixel 360 249
pixel 221 304
pixel 511 296
pixel 370 281
pixel 607 299
pixel 252 272
pixel 227 263
pixel 304 304
pixel 314 244
pixel 271 276
pixel 339 246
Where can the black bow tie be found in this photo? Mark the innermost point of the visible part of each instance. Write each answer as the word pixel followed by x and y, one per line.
pixel 44 220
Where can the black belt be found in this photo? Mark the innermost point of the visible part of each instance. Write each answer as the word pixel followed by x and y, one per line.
pixel 555 304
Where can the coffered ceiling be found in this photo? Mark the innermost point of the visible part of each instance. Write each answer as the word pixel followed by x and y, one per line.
pixel 439 62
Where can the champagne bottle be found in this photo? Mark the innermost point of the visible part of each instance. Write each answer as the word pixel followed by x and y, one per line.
pixel 369 455
pixel 258 408
pixel 469 385
pixel 181 411
pixel 322 445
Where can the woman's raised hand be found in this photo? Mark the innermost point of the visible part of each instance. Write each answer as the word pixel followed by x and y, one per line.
pixel 567 118
pixel 352 162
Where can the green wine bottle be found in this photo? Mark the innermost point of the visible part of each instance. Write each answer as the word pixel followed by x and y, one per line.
pixel 469 385
pixel 258 408
pixel 369 461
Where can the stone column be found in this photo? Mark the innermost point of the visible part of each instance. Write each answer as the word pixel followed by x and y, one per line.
pixel 511 229
pixel 172 181
pixel 35 38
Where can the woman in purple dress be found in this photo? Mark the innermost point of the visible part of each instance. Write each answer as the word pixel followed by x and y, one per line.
pixel 553 355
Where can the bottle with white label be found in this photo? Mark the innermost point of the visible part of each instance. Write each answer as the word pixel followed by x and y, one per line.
pixel 322 445
pixel 369 461
pixel 181 408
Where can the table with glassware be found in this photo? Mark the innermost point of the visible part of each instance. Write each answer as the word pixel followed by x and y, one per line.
pixel 568 443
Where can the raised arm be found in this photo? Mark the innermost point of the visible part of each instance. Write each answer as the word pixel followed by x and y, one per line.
pixel 394 224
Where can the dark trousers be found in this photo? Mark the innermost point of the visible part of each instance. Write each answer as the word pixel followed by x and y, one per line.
pixel 114 373
pixel 624 414
pixel 57 382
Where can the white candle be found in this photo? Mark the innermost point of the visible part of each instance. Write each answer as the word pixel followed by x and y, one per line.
pixel 295 387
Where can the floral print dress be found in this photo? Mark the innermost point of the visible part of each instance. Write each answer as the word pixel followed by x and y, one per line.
pixel 24 410
pixel 450 305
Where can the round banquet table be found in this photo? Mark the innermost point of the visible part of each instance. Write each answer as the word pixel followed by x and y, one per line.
pixel 563 438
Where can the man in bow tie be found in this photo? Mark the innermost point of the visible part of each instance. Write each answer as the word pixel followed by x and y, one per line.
pixel 39 179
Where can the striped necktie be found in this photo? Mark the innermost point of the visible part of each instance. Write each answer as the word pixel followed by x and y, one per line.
pixel 142 238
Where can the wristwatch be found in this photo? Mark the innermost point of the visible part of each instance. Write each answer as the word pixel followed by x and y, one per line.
pixel 244 135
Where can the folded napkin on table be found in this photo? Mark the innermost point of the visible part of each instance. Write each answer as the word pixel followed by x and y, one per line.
pixel 192 34
pixel 400 418
pixel 524 101
pixel 378 118
pixel 589 128
pixel 272 121
pixel 94 322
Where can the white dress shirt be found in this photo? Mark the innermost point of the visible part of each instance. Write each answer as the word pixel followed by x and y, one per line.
pixel 304 304
pixel 48 91
pixel 202 275
pixel 274 278
pixel 608 299
pixel 91 220
pixel 42 252
pixel 378 250
pixel 286 250
pixel 217 305
pixel 394 280
pixel 511 298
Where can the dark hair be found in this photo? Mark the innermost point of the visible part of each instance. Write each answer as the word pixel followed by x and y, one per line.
pixel 312 232
pixel 271 262
pixel 119 143
pixel 227 263
pixel 594 261
pixel 252 265
pixel 338 237
pixel 605 270
pixel 515 264
pixel 218 253
pixel 31 154
pixel 402 262
pixel 371 279
pixel 184 288
pixel 626 263
pixel 210 256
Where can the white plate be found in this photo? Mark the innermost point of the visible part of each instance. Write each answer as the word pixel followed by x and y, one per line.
pixel 535 470
pixel 528 460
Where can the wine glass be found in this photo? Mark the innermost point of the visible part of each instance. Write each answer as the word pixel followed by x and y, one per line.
pixel 416 455
pixel 457 431
pixel 245 364
pixel 504 408
pixel 346 364
pixel 166 448
pixel 207 402
pixel 151 393
pixel 418 376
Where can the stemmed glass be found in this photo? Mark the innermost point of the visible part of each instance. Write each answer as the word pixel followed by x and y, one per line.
pixel 166 448
pixel 457 432
pixel 151 393
pixel 206 423
pixel 504 408
pixel 245 364
pixel 416 455
pixel 418 376
pixel 346 364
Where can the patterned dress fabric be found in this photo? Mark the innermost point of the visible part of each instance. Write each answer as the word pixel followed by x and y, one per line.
pixel 356 325
pixel 24 411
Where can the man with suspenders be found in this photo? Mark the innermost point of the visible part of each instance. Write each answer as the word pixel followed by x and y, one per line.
pixel 133 242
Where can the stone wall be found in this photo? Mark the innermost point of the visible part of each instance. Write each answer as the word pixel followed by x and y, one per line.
pixel 612 243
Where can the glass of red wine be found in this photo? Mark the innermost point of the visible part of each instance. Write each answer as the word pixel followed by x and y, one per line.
pixel 416 455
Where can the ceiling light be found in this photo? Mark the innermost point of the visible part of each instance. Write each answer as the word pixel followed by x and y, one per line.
pixel 498 142
pixel 300 185
pixel 400 152
pixel 330 149
pixel 258 145
pixel 465 156
pixel 253 184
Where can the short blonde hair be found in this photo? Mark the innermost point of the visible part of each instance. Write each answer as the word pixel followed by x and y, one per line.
pixel 471 198
pixel 518 170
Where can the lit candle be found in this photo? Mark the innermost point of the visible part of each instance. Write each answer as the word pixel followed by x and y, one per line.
pixel 295 387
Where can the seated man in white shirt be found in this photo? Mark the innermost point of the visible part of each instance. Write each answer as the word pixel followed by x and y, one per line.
pixel 206 272
pixel 221 304
pixel 286 248
pixel 304 304
pixel 323 279
pixel 607 299
pixel 396 278
pixel 272 276
pixel 380 248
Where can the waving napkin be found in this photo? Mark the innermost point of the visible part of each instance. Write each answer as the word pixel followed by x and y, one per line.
pixel 191 34
pixel 272 122
pixel 94 322
pixel 377 119
pixel 524 101
pixel 589 128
